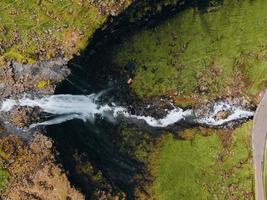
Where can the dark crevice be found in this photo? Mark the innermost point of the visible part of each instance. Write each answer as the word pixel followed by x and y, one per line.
pixel 93 71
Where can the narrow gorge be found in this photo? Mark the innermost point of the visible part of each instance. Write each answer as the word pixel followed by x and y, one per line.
pixel 133 100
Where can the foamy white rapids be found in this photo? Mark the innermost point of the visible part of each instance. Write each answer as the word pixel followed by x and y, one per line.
pixel 8 105
pixel 172 117
pixel 235 113
pixel 68 107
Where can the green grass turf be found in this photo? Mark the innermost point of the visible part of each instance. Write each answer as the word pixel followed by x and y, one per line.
pixel 4 177
pixel 205 167
pixel 28 26
pixel 224 51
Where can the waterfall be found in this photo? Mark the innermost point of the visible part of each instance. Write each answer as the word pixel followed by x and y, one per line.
pixel 87 107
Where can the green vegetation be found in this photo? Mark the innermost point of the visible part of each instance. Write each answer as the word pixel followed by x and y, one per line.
pixel 198 55
pixel 4 177
pixel 42 84
pixel 145 8
pixel 84 168
pixel 31 30
pixel 214 165
pixel 137 144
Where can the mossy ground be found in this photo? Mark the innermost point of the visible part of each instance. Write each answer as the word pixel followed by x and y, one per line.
pixel 4 174
pixel 31 30
pixel 137 144
pixel 215 164
pixel 198 55
pixel 4 177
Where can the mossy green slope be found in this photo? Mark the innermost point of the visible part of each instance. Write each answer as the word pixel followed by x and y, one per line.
pixel 31 30
pixel 211 166
pixel 4 177
pixel 201 55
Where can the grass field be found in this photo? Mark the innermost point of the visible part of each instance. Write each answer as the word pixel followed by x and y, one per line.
pixel 31 30
pixel 213 165
pixel 199 55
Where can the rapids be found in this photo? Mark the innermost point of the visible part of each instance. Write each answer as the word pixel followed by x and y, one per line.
pixel 66 107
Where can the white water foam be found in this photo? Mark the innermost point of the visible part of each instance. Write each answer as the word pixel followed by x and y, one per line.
pixel 68 107
pixel 8 104
pixel 235 113
pixel 172 117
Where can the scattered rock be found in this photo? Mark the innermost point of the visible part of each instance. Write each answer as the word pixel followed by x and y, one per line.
pixel 35 174
pixel 38 79
pixel 222 115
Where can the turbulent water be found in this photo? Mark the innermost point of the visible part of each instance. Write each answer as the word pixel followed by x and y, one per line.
pixel 87 107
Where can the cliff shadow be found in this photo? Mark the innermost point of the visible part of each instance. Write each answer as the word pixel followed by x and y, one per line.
pixel 91 152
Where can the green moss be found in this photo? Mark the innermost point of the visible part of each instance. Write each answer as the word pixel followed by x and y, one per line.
pixel 85 169
pixel 206 168
pixel 143 9
pixel 196 49
pixel 14 56
pixel 137 144
pixel 26 27
pixel 4 177
pixel 42 84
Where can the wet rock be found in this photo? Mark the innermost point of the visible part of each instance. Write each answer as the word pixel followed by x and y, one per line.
pixel 222 115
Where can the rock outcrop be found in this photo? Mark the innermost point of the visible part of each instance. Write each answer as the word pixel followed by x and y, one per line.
pixel 34 174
